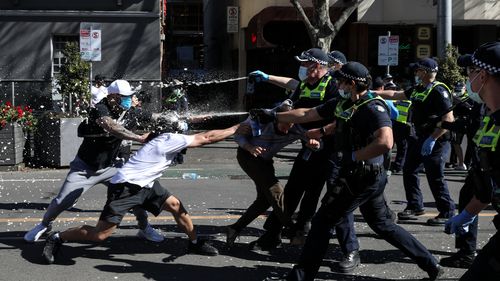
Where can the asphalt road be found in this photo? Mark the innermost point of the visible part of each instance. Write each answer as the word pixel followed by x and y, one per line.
pixel 215 200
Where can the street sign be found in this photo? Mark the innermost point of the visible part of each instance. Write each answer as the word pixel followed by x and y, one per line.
pixel 388 49
pixel 90 41
pixel 232 19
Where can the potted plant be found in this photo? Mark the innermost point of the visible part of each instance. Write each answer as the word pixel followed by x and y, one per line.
pixel 56 141
pixel 15 123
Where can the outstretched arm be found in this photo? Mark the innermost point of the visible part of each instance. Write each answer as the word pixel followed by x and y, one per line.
pixel 283 82
pixel 117 130
pixel 212 136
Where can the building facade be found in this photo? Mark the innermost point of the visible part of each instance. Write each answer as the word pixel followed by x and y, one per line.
pixel 33 33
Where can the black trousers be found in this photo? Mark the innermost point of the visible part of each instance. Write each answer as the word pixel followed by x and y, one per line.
pixel 367 194
pixel 468 241
pixel 486 266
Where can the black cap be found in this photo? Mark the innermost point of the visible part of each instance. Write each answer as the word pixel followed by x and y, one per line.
pixel 315 55
pixel 353 70
pixel 487 57
pixel 99 77
pixel 377 83
pixel 426 64
pixel 337 56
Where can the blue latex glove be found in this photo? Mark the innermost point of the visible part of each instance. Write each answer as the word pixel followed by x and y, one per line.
pixel 393 110
pixel 353 157
pixel 259 76
pixel 459 224
pixel 427 146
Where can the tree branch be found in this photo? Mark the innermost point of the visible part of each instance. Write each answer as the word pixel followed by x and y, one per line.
pixel 311 29
pixel 345 15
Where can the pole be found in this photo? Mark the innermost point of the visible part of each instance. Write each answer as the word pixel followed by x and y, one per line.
pixel 444 25
pixel 90 83
pixel 388 70
pixel 13 93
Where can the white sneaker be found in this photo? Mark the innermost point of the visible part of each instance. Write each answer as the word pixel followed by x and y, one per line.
pixel 34 234
pixel 150 234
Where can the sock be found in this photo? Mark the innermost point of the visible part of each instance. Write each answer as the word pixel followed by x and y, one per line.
pixel 194 241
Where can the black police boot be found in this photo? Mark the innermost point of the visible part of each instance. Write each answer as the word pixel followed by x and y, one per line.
pixel 268 241
pixel 349 262
pixel 435 272
pixel 231 235
pixel 409 214
pixel 460 259
pixel 439 220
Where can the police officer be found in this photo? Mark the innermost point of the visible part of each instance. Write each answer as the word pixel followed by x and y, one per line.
pixel 431 102
pixel 311 169
pixel 363 136
pixel 483 86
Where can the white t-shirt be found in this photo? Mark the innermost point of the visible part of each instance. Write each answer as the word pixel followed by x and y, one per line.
pixel 152 159
pixel 98 94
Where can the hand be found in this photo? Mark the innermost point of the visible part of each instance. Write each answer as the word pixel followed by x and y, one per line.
pixel 427 146
pixel 255 150
pixel 144 137
pixel 263 115
pixel 459 224
pixel 259 76
pixel 313 144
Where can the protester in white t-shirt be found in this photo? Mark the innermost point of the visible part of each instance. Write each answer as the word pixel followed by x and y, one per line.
pixel 99 91
pixel 136 183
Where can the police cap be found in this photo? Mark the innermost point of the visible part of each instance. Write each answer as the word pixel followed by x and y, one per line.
pixel 337 57
pixel 487 57
pixel 426 64
pixel 315 55
pixel 353 70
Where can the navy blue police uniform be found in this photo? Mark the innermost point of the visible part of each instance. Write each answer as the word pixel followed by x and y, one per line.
pixel 311 169
pixel 429 104
pixel 360 184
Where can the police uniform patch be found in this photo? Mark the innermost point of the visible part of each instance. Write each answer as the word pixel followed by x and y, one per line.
pixel 380 108
pixel 446 95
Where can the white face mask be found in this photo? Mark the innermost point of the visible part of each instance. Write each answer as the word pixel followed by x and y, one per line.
pixel 344 94
pixel 302 73
pixel 417 80
pixel 473 95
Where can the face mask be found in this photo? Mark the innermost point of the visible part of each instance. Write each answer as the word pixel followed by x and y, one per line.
pixel 302 73
pixel 344 94
pixel 473 95
pixel 126 102
pixel 418 80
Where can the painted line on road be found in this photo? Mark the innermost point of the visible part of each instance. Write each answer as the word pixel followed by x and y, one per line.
pixel 129 218
pixel 126 218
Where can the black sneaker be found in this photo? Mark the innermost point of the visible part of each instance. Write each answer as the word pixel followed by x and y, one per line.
pixel 408 214
pixel 437 221
pixel 52 246
pixel 435 272
pixel 266 243
pixel 349 262
pixel 459 259
pixel 202 247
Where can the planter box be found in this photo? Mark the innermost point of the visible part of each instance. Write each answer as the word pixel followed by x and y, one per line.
pixel 56 141
pixel 11 145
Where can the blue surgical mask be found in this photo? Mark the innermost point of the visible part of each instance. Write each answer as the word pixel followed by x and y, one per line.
pixel 344 94
pixel 302 73
pixel 126 102
pixel 473 95
pixel 418 80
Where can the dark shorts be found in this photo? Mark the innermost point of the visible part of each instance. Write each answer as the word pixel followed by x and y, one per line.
pixel 124 196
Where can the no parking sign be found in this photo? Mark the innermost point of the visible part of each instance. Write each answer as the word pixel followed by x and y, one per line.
pixel 90 41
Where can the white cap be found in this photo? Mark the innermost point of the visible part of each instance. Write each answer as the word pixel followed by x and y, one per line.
pixel 121 87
